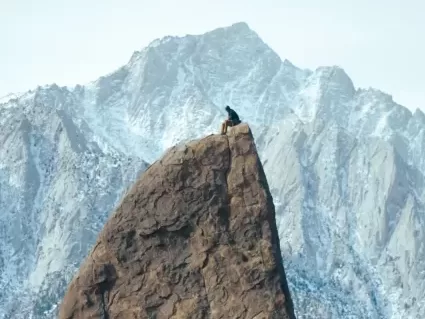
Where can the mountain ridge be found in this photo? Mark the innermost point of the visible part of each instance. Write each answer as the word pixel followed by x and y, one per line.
pixel 241 25
pixel 307 132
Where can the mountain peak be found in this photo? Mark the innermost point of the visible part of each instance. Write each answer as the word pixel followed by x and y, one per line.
pixel 418 114
pixel 237 31
pixel 239 27
pixel 195 237
pixel 334 72
pixel 337 77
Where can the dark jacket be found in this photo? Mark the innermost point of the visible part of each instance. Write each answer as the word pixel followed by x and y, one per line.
pixel 233 116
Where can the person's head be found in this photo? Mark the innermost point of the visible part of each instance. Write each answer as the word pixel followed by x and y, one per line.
pixel 227 108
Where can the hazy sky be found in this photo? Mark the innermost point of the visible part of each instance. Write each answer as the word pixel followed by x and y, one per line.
pixel 380 43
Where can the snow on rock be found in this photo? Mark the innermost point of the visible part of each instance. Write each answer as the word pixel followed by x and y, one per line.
pixel 345 166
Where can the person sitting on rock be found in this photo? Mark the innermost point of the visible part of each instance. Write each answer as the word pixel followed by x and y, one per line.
pixel 232 120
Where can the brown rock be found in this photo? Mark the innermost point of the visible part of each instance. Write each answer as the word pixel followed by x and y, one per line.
pixel 195 237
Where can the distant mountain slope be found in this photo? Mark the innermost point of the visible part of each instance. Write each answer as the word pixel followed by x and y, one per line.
pixel 345 165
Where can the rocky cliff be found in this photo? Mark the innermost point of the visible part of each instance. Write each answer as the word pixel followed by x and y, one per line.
pixel 195 237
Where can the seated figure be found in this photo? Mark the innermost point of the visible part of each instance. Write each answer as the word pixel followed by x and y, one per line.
pixel 232 120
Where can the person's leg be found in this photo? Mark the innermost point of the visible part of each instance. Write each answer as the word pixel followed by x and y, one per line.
pixel 223 128
pixel 229 123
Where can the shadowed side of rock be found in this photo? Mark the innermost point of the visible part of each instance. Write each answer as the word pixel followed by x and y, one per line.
pixel 195 237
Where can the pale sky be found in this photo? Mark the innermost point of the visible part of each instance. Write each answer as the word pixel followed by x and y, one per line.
pixel 380 43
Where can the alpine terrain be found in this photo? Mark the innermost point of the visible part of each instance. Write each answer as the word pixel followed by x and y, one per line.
pixel 345 166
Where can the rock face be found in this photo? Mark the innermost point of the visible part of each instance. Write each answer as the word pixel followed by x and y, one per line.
pixel 195 237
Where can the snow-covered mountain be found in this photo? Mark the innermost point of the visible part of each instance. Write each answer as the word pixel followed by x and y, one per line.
pixel 346 168
pixel 57 186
